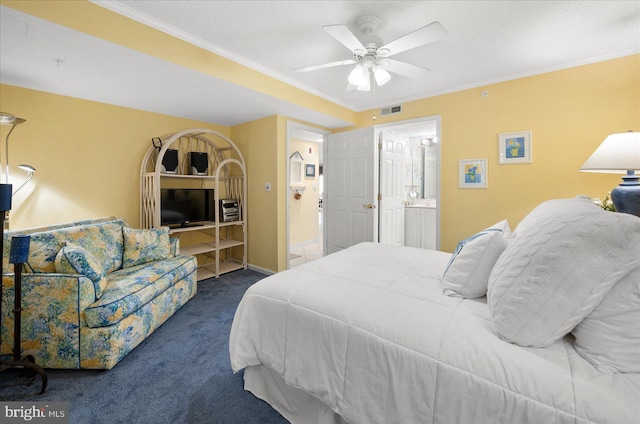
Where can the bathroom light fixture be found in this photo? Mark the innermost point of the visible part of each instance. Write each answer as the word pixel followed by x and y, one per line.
pixel 620 154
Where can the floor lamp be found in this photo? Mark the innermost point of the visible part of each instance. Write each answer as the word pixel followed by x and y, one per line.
pixel 17 257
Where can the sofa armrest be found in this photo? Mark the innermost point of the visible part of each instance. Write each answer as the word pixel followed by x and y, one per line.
pixel 52 314
pixel 174 247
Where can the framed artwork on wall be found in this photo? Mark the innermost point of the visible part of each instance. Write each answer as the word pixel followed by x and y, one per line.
pixel 310 170
pixel 514 147
pixel 473 173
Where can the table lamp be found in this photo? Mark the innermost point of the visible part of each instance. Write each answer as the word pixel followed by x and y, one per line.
pixel 620 154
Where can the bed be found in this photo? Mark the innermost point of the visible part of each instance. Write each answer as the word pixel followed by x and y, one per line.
pixel 389 334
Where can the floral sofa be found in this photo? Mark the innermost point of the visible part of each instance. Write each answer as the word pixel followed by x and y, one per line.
pixel 93 290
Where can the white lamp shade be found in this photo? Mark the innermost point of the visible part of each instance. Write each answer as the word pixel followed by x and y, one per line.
pixel 382 76
pixel 617 154
pixel 365 83
pixel 357 75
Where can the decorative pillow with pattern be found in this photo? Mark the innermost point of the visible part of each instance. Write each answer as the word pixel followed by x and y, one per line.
pixel 609 337
pixel 467 274
pixel 564 258
pixel 143 246
pixel 74 259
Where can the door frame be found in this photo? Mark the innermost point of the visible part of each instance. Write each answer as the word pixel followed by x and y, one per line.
pixel 294 128
pixel 438 120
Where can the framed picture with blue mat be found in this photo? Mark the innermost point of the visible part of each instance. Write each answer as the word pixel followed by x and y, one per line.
pixel 514 147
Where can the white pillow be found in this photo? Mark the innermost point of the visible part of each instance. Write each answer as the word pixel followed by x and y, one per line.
pixel 609 337
pixel 467 273
pixel 565 256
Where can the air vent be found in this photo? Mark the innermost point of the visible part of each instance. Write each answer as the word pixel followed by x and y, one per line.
pixel 391 110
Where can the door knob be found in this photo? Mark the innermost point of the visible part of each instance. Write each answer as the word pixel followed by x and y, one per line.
pixel 369 206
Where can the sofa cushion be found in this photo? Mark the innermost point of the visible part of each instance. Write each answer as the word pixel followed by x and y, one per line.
pixel 74 259
pixel 142 246
pixel 564 258
pixel 609 337
pixel 131 288
pixel 103 240
pixel 467 274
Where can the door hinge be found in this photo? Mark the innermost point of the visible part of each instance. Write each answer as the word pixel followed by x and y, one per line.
pixel 379 197
pixel 379 146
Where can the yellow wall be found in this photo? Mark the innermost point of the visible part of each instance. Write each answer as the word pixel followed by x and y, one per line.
pixel 570 112
pixel 303 212
pixel 258 141
pixel 87 156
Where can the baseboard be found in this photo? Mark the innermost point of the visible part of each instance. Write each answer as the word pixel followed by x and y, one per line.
pixel 260 270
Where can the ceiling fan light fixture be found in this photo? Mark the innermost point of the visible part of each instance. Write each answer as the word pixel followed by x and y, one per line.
pixel 357 75
pixel 365 83
pixel 382 75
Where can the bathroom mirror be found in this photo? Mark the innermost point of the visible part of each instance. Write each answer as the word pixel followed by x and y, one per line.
pixel 422 165
pixel 295 169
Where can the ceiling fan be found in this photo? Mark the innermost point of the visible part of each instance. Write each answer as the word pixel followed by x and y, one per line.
pixel 372 56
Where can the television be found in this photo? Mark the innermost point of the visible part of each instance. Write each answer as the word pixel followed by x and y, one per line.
pixel 186 206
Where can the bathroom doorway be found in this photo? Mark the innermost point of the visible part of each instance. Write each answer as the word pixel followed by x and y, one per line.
pixel 305 190
pixel 380 175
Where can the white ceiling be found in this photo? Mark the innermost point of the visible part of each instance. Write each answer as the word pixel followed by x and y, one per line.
pixel 487 42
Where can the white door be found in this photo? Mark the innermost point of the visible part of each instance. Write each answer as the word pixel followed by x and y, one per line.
pixel 351 187
pixel 393 153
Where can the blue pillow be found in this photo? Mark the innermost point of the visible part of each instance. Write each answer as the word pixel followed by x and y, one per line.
pixel 75 259
pixel 467 274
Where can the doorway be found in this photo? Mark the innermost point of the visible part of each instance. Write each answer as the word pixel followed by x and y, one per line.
pixel 305 187
pixel 373 181
pixel 417 190
pixel 422 138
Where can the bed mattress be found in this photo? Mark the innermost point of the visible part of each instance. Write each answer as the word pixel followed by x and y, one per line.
pixel 369 333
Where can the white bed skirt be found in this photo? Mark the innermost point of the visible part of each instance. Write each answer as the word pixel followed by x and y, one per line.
pixel 297 406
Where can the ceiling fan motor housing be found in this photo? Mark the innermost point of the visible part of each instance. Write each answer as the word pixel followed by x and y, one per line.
pixel 367 23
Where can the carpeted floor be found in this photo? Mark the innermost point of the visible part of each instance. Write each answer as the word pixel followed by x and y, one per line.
pixel 180 374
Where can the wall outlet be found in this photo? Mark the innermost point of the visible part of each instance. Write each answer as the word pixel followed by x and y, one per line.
pixel 267 186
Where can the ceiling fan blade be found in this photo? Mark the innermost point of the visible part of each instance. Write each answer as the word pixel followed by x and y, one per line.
pixel 346 37
pixel 427 34
pixel 405 69
pixel 326 65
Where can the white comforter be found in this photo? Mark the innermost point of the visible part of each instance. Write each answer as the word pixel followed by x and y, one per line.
pixel 368 332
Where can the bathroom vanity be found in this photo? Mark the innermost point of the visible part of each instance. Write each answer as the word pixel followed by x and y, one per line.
pixel 420 226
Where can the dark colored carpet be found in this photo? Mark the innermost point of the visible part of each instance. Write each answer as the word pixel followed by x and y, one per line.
pixel 180 374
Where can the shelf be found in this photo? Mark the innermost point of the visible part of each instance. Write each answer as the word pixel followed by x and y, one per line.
pixel 204 272
pixel 205 226
pixel 198 249
pixel 227 175
pixel 228 243
pixel 228 266
pixel 209 270
pixel 187 176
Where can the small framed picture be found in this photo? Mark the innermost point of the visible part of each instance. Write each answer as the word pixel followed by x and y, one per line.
pixel 473 173
pixel 514 147
pixel 310 170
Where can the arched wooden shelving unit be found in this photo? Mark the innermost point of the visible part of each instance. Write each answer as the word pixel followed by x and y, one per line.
pixel 226 174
